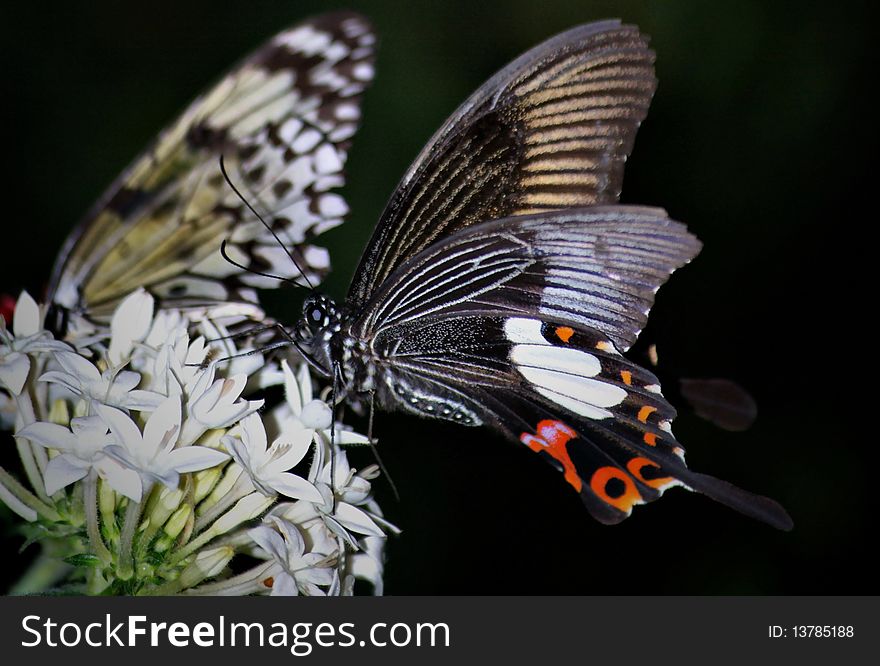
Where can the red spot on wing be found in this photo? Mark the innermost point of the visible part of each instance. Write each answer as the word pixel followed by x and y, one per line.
pixel 650 439
pixel 552 438
pixel 623 501
pixel 269 582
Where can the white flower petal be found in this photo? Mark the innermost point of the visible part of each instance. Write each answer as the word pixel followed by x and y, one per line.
pixel 127 434
pixel 26 318
pixel 195 458
pixel 203 382
pixel 247 508
pixel 66 380
pixel 245 363
pixel 196 352
pixel 295 486
pixel 304 377
pixel 287 451
pixel 292 537
pixel 170 478
pixel 291 389
pixel 339 530
pixel 47 346
pixel 143 401
pixel 223 416
pixel 350 438
pixel 50 436
pixel 62 471
pixel 253 433
pixel 131 323
pixel 238 450
pixel 356 520
pixel 284 586
pixel 88 426
pixel 316 414
pixel 78 366
pixel 126 380
pixel 357 490
pixel 14 371
pixel 270 541
pixel 301 513
pixel 163 426
pixel 123 480
pixel 367 568
pixel 316 575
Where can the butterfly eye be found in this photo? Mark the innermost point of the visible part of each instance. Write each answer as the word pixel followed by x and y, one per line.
pixel 316 312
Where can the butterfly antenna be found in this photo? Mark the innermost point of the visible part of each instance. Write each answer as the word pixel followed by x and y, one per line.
pixel 264 223
pixel 287 342
pixel 375 449
pixel 250 270
pixel 250 352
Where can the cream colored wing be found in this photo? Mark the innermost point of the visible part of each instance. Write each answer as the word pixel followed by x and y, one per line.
pixel 282 120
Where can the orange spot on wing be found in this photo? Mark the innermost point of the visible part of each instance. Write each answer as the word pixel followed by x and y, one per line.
pixel 604 345
pixel 269 582
pixel 551 438
pixel 624 501
pixel 645 412
pixel 564 333
pixel 627 377
pixel 650 439
pixel 635 467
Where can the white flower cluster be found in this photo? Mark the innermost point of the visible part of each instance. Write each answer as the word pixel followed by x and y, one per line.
pixel 145 468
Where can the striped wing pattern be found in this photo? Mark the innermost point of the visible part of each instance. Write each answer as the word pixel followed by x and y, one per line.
pixel 596 267
pixel 550 131
pixel 503 281
pixel 282 120
pixel 454 343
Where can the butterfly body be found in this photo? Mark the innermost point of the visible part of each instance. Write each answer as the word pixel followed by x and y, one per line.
pixel 503 283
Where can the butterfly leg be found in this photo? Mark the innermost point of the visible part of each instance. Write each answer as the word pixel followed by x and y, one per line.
pixel 375 449
pixel 333 393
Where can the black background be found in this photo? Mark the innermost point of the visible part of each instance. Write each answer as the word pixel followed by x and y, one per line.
pixel 760 138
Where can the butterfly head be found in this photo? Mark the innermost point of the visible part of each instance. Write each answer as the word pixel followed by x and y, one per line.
pixel 320 322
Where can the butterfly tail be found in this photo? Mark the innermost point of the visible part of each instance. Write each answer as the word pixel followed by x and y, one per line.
pixel 754 506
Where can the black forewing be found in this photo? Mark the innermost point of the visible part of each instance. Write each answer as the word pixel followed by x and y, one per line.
pixel 550 131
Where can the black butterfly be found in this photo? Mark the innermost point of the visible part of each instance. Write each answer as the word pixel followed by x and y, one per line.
pixel 503 281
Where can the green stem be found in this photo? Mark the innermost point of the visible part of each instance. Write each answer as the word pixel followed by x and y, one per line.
pixel 193 546
pixel 92 527
pixel 40 576
pixel 25 448
pixel 246 583
pixel 125 569
pixel 27 498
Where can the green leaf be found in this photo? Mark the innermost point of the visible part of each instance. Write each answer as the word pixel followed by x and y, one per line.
pixel 83 560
